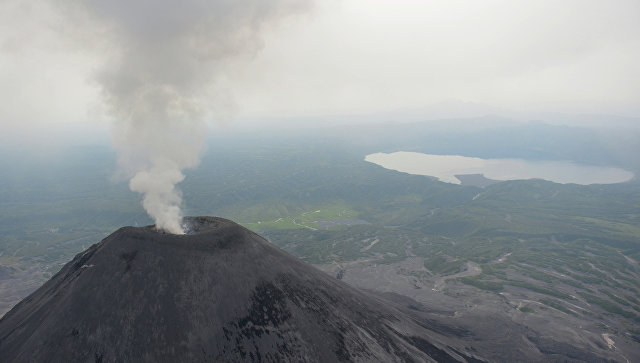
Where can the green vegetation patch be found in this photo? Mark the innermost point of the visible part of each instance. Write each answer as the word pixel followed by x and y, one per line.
pixel 557 305
pixel 609 306
pixel 442 265
pixel 321 217
pixel 526 309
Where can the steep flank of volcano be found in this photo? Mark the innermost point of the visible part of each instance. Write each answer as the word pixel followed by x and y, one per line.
pixel 218 293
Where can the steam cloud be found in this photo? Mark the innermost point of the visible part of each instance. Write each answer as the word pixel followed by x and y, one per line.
pixel 164 57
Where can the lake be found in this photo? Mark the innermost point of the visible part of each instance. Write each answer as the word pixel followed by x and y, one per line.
pixel 446 167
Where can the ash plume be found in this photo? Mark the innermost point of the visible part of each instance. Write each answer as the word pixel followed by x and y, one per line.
pixel 163 59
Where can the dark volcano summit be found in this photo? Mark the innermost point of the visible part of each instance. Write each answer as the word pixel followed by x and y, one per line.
pixel 219 293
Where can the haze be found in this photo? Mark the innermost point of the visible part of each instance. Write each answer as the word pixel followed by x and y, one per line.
pixel 438 59
pixel 503 193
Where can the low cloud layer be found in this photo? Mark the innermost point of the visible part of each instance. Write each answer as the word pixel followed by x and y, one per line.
pixel 371 56
pixel 352 57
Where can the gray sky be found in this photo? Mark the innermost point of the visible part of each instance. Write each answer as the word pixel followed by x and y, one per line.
pixel 358 57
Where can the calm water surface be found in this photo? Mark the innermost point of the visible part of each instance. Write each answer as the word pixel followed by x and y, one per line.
pixel 445 167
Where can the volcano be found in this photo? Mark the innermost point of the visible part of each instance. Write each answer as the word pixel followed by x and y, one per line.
pixel 218 293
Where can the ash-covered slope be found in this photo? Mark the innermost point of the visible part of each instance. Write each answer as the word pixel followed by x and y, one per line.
pixel 220 293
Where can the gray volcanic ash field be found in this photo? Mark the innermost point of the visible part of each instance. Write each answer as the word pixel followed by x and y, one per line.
pixel 220 292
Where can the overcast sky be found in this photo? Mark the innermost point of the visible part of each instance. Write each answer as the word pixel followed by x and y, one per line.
pixel 358 57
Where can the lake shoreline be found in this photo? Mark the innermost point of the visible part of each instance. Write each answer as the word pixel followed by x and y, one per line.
pixel 456 169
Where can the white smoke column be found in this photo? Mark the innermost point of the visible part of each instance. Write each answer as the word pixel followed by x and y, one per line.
pixel 164 56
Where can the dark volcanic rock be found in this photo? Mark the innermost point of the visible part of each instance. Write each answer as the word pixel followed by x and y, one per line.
pixel 220 293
